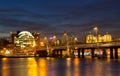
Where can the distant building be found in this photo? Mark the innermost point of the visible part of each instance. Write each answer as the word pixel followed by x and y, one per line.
pixel 90 38
pixel 25 39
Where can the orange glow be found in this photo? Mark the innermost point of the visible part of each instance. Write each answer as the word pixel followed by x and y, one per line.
pixel 4 67
pixel 32 67
pixel 108 53
pixel 119 52
pixel 42 68
pixel 42 44
pixel 76 47
pixel 76 61
pixel 76 67
pixel 4 59
pixel 68 62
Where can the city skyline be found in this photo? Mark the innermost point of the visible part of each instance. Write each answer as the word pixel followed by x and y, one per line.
pixel 56 17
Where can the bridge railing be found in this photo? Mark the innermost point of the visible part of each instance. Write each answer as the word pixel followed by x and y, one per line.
pixel 85 45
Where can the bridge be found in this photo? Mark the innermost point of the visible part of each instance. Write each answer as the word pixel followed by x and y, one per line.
pixel 58 50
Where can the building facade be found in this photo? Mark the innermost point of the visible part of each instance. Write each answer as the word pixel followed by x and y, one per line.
pixel 90 38
pixel 24 39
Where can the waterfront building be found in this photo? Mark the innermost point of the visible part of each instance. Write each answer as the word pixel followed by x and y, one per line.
pixel 25 35
pixel 25 41
pixel 90 38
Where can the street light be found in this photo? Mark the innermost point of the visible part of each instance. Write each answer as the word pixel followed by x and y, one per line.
pixel 75 40
pixel 47 47
pixel 66 41
pixel 97 40
pixel 54 40
pixel 96 31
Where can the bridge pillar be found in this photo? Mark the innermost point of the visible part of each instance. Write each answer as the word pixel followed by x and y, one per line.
pixel 60 53
pixel 92 53
pixel 78 53
pixel 82 53
pixel 116 53
pixel 57 53
pixel 104 53
pixel 111 53
pixel 53 53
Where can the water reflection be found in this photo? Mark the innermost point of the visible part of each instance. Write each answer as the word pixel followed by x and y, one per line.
pixel 42 67
pixel 12 67
pixel 68 67
pixel 76 67
pixel 4 66
pixel 58 67
pixel 32 67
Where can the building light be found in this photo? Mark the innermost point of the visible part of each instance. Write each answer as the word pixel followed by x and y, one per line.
pixel 42 44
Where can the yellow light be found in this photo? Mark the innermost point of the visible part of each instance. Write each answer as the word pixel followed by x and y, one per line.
pixel 11 33
pixel 76 47
pixel 76 61
pixel 42 44
pixel 32 65
pixel 7 52
pixel 4 59
pixel 75 39
pixel 54 37
pixel 34 44
pixel 95 28
pixel 42 65
pixel 65 34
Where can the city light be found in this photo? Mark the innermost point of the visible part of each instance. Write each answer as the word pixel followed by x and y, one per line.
pixel 26 43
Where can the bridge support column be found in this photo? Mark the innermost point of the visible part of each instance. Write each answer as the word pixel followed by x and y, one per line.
pixel 92 53
pixel 57 53
pixel 116 53
pixel 111 53
pixel 78 53
pixel 60 53
pixel 104 53
pixel 82 53
pixel 54 53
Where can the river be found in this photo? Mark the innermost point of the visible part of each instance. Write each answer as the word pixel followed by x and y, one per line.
pixel 59 67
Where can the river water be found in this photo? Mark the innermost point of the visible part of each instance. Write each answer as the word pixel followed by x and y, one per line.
pixel 58 67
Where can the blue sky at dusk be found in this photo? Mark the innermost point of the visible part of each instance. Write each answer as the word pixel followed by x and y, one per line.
pixel 47 17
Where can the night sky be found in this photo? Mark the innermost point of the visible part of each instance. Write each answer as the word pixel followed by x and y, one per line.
pixel 54 17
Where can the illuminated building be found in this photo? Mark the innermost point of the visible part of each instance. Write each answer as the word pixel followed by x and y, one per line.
pixel 25 39
pixel 90 38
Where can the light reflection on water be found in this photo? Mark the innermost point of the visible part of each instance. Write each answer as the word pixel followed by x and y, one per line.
pixel 58 67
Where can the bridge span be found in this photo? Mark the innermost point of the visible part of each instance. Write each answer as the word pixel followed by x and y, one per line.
pixel 57 51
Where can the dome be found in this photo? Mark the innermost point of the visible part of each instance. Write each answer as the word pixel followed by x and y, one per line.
pixel 25 33
pixel 25 39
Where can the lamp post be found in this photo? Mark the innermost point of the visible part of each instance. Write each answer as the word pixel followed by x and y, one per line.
pixel 54 40
pixel 96 31
pixel 75 40
pixel 97 38
pixel 47 47
pixel 66 38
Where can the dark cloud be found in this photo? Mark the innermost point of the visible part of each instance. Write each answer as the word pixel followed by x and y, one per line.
pixel 12 10
pixel 54 17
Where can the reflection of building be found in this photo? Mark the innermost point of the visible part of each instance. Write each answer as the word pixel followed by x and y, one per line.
pixel 93 39
pixel 25 39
